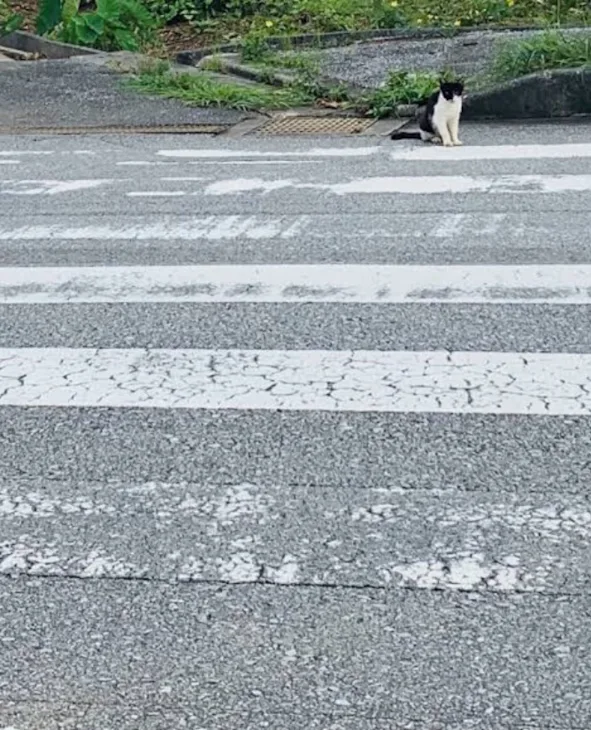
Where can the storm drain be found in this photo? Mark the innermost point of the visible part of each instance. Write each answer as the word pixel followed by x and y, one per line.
pixel 315 125
pixel 112 129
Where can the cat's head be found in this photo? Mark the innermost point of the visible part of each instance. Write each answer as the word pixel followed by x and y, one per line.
pixel 451 89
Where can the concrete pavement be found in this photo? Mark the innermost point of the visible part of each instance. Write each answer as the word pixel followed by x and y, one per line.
pixel 84 92
pixel 233 496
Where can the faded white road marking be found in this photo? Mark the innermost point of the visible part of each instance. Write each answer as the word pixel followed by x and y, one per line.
pixel 9 162
pixel 493 152
pixel 143 163
pixel 211 228
pixel 48 187
pixel 314 152
pixel 14 153
pixel 297 283
pixel 462 572
pixel 257 163
pixel 415 185
pixel 157 194
pixel 438 381
pixel 250 533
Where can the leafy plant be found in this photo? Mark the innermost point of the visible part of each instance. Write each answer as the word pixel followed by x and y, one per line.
pixel 114 25
pixel 552 49
pixel 9 21
pixel 255 47
pixel 166 11
pixel 402 87
pixel 50 14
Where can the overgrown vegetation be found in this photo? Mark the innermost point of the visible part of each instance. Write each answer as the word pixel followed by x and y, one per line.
pixel 283 17
pixel 401 87
pixel 9 21
pixel 550 50
pixel 201 90
pixel 112 25
pixel 134 24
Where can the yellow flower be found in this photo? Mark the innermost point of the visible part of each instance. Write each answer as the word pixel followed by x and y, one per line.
pixel 394 4
pixel 269 23
pixel 458 23
pixel 419 21
pixel 510 3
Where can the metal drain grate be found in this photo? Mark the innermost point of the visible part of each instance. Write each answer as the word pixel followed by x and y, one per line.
pixel 163 129
pixel 315 125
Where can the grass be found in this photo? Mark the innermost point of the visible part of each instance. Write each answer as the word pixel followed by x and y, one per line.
pixel 550 50
pixel 201 90
pixel 401 87
pixel 204 91
pixel 247 19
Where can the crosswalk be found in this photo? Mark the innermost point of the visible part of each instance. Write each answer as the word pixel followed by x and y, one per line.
pixel 335 367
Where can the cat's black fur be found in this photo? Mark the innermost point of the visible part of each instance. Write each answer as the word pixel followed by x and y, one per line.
pixel 447 89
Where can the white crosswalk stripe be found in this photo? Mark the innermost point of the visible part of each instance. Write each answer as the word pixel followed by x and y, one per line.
pixel 295 435
pixel 122 378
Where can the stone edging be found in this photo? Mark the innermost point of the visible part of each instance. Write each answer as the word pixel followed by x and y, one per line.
pixel 343 38
pixel 547 95
pixel 31 43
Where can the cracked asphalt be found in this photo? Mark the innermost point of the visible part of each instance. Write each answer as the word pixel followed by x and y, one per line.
pixel 195 535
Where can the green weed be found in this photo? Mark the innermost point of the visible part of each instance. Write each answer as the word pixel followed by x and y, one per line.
pixel 201 90
pixel 549 50
pixel 402 87
pixel 114 24
pixel 9 21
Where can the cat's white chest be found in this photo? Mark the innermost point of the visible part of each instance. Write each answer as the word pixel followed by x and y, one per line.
pixel 447 111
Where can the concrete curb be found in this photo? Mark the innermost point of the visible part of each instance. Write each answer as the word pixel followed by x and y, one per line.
pixel 228 65
pixel 343 38
pixel 31 43
pixel 552 94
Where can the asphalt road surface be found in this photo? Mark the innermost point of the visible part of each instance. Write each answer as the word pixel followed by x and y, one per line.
pixel 294 433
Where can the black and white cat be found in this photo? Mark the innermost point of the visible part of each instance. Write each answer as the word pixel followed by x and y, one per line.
pixel 439 121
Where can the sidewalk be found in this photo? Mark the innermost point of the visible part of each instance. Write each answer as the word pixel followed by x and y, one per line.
pixel 83 92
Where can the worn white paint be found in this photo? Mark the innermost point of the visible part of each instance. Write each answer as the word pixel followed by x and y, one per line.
pixel 413 185
pixel 14 153
pixel 285 574
pixel 9 162
pixel 210 228
pixel 143 163
pixel 35 505
pixel 333 283
pixel 463 572
pixel 249 185
pixel 469 152
pixel 31 557
pixel 232 162
pixel 218 154
pixel 156 194
pixel 381 381
pixel 241 567
pixel 48 187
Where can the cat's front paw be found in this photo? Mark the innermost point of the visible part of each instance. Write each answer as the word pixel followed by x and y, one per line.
pixel 458 143
pixel 448 143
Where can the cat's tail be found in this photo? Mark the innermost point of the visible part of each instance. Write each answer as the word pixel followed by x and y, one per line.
pixel 405 135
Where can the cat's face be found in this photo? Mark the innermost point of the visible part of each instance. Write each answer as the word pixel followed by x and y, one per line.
pixel 451 89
